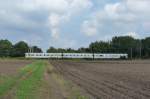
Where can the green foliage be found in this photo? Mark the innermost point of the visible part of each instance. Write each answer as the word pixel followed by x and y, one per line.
pixel 146 47
pixel 135 48
pixel 20 49
pixel 5 48
pixel 17 50
pixel 126 44
pixel 98 47
pixel 52 50
pixel 83 50
pixel 37 49
pixel 122 44
pixel 60 50
pixel 146 42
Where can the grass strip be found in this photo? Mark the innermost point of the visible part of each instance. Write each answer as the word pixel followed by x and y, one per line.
pixel 6 84
pixel 24 84
pixel 29 84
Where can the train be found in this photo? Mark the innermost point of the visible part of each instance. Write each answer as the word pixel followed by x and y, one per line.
pixel 77 55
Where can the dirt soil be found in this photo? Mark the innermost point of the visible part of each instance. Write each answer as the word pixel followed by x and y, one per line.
pixel 109 79
pixel 10 67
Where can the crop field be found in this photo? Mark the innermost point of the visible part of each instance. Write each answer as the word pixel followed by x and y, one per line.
pixel 17 81
pixel 26 79
pixel 78 79
pixel 10 67
pixel 109 79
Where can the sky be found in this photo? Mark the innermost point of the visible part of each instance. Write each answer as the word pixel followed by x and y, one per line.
pixel 72 23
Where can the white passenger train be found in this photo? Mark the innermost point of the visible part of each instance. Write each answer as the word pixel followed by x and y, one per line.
pixel 76 55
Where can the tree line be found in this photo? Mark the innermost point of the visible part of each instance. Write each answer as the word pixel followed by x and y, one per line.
pixel 135 48
pixel 7 49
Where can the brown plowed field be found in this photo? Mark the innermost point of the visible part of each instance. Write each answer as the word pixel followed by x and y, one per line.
pixel 9 67
pixel 109 79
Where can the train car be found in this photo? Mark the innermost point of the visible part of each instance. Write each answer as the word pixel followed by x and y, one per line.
pixel 76 55
pixel 43 55
pixel 110 56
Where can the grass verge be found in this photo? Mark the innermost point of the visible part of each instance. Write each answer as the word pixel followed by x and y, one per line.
pixel 6 83
pixel 26 83
pixel 30 79
pixel 30 83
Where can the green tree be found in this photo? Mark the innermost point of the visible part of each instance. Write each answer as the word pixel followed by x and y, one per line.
pixel 70 50
pixel 19 49
pixel 123 42
pixel 83 50
pixel 36 49
pixel 127 44
pixel 5 48
pixel 99 47
pixel 52 50
pixel 61 50
pixel 146 47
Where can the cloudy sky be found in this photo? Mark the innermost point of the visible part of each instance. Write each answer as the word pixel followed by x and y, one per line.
pixel 72 23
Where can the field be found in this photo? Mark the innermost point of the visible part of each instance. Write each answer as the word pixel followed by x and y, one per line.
pixel 65 79
pixel 17 81
pixel 10 67
pixel 109 79
pixel 26 79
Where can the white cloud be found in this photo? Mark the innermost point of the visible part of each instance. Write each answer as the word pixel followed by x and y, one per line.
pixel 59 11
pixel 146 26
pixel 46 18
pixel 116 18
pixel 89 28
pixel 113 10
pixel 138 5
pixel 55 33
pixel 54 20
pixel 59 6
pixel 51 5
pixel 64 43
pixel 118 12
pixel 35 39
pixel 79 5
